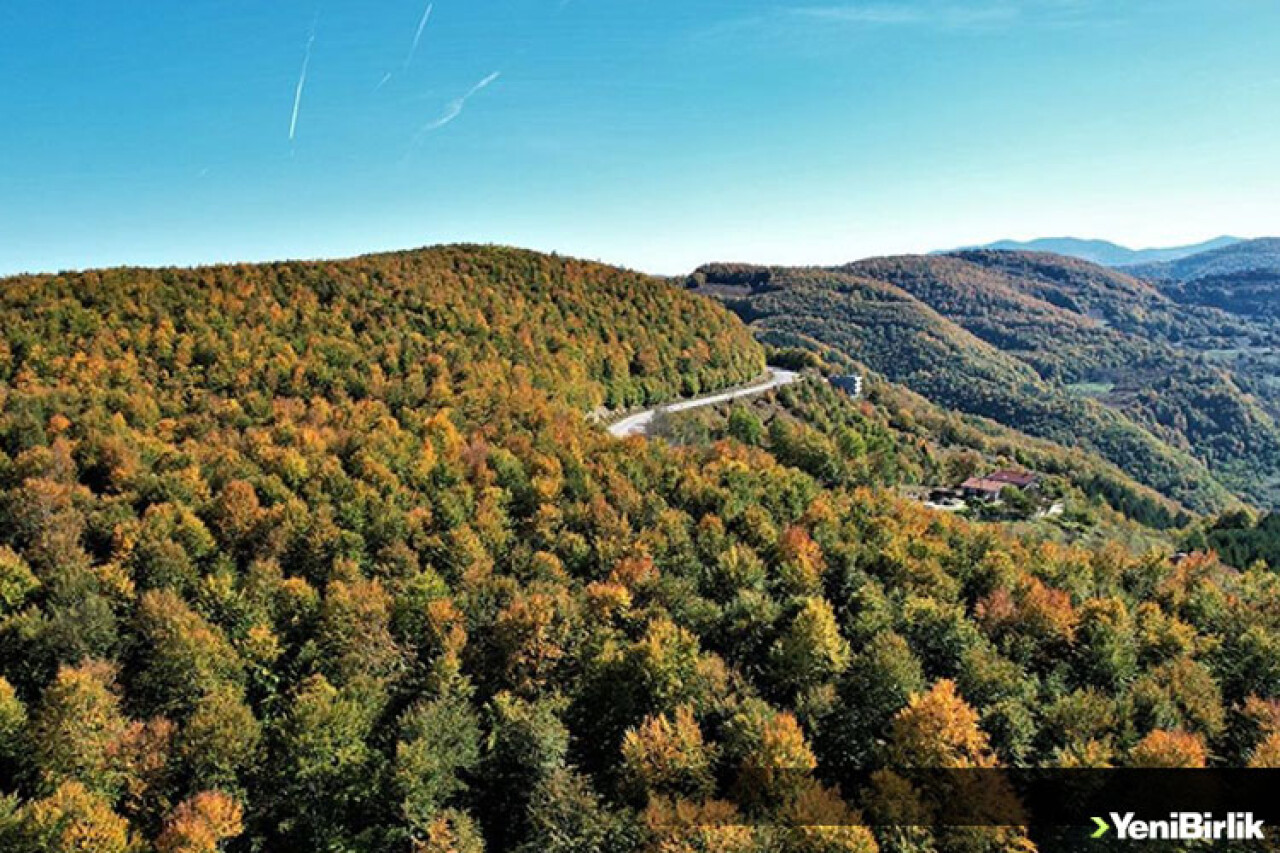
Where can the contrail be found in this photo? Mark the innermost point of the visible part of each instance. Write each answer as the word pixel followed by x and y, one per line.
pixel 456 107
pixel 417 36
pixel 302 83
pixel 386 78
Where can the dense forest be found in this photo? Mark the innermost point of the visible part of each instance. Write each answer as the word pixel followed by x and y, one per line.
pixel 1055 347
pixel 893 437
pixel 1242 279
pixel 1249 256
pixel 1240 539
pixel 1252 293
pixel 912 344
pixel 335 557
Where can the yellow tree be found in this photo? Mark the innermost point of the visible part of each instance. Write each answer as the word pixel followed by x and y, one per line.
pixel 712 826
pixel 201 823
pixel 74 819
pixel 77 726
pixel 938 729
pixel 530 634
pixel 811 650
pixel 775 759
pixel 666 755
pixel 819 821
pixel 1164 748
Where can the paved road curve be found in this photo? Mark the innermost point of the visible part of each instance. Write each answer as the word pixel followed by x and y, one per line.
pixel 639 423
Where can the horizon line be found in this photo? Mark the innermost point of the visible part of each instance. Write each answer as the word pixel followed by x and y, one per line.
pixel 339 257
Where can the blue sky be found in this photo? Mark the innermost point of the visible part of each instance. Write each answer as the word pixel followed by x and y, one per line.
pixel 658 134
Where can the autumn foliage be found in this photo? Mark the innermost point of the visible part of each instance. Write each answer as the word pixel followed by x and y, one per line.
pixel 333 557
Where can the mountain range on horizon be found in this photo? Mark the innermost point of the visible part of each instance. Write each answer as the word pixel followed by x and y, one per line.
pixel 1105 252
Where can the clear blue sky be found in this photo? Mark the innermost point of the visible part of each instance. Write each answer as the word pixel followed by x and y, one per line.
pixel 653 133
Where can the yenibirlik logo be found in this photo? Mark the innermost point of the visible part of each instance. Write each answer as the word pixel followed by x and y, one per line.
pixel 1183 826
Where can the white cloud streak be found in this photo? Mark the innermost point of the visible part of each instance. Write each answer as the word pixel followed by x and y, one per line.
pixel 302 85
pixel 417 36
pixel 456 107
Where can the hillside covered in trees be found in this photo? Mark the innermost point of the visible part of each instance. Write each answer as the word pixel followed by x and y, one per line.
pixel 1054 347
pixel 1243 279
pixel 892 437
pixel 1240 539
pixel 332 557
pixel 1262 256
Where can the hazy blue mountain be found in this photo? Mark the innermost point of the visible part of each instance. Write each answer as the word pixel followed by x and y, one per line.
pixel 1107 253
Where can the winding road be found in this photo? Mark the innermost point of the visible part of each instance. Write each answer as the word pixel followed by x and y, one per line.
pixel 640 422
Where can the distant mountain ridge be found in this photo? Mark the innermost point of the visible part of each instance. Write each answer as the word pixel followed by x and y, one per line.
pixel 1243 278
pixel 1105 252
pixel 1245 256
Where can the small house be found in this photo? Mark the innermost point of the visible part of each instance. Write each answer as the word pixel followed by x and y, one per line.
pixel 984 489
pixel 850 384
pixel 989 488
pixel 1018 479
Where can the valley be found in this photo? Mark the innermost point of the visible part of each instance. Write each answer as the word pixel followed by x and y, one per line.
pixel 1051 346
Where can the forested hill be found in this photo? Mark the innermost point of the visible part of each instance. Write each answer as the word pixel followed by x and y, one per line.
pixel 1250 256
pixel 1052 346
pixel 327 556
pixel 457 326
pixel 1243 279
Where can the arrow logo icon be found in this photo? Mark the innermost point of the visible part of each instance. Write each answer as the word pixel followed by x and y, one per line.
pixel 1102 829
